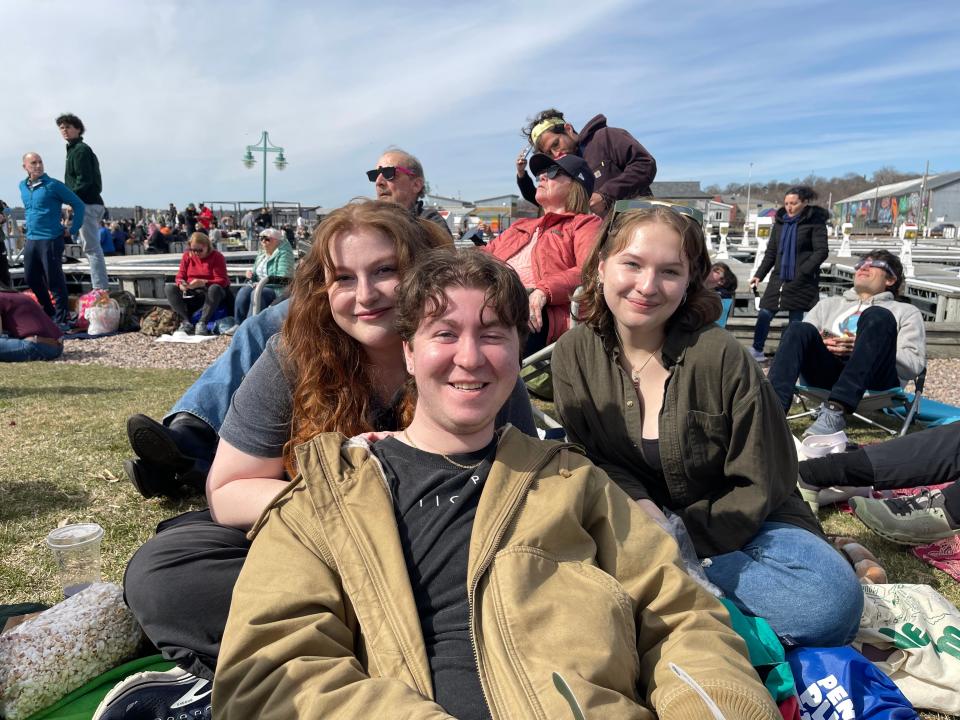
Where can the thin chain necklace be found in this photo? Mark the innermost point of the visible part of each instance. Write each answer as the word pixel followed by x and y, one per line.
pixel 445 457
pixel 635 374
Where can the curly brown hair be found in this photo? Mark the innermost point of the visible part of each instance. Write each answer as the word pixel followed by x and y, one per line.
pixel 702 306
pixel 328 369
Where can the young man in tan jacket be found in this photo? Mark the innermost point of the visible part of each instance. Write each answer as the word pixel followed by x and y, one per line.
pixel 456 570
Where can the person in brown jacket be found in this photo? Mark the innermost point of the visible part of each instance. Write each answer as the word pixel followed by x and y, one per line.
pixel 621 166
pixel 454 570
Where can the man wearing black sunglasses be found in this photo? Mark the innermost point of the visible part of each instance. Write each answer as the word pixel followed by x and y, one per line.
pixel 398 178
pixel 622 168
pixel 862 340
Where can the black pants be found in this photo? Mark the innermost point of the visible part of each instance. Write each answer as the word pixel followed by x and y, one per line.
pixel 871 366
pixel 209 298
pixel 928 457
pixel 179 584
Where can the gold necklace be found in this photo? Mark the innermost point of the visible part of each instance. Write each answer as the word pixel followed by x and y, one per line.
pixel 445 457
pixel 635 373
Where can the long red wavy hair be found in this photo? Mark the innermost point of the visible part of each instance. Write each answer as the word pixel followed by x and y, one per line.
pixel 329 370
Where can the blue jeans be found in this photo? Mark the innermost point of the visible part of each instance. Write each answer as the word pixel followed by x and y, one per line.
pixel 245 297
pixel 43 271
pixel 209 397
pixel 793 579
pixel 762 328
pixel 90 241
pixel 871 366
pixel 17 350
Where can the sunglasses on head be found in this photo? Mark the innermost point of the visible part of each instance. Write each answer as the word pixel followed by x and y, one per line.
pixel 872 263
pixel 389 172
pixel 622 206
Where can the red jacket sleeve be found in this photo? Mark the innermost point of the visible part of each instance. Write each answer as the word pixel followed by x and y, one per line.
pixel 582 232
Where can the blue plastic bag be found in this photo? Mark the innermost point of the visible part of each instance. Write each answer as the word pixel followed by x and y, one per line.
pixel 841 684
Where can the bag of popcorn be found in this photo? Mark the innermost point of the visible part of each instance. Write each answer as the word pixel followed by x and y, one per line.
pixel 49 656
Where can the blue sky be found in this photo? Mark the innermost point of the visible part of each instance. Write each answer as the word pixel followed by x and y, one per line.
pixel 172 92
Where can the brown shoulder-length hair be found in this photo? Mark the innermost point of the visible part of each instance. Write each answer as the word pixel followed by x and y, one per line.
pixel 329 370
pixel 701 306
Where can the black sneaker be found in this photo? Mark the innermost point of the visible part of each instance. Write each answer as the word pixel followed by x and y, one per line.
pixel 154 695
pixel 152 480
pixel 154 443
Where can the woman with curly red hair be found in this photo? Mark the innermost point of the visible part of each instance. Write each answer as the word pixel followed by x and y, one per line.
pixel 337 365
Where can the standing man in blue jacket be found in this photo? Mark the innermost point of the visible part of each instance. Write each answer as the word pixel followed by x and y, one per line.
pixel 82 176
pixel 43 197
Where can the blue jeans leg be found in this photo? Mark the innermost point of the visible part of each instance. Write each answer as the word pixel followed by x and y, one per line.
pixel 90 242
pixel 762 328
pixel 34 272
pixel 793 579
pixel 209 397
pixel 241 306
pixel 17 350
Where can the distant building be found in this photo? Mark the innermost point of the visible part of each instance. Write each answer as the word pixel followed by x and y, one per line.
pixel 889 206
pixel 497 212
pixel 688 192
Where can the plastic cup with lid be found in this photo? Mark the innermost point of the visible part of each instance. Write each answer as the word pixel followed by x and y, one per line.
pixel 76 548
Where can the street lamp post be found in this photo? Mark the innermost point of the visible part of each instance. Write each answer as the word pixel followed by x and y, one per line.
pixel 264 146
pixel 746 220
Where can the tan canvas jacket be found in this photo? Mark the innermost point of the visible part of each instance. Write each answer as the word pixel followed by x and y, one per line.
pixel 565 574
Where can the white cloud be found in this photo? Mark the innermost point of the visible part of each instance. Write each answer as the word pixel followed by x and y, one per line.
pixel 173 91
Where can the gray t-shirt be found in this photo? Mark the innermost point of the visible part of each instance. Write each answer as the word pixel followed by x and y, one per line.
pixel 258 421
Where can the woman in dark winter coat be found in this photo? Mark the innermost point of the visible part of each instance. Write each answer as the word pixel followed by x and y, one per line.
pixel 797 247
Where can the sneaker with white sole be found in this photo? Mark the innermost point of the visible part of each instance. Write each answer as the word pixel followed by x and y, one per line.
pixel 829 420
pixel 910 520
pixel 151 695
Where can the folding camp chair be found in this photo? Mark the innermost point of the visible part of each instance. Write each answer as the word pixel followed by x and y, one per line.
pixel 725 311
pixel 895 402
pixel 535 369
pixel 255 303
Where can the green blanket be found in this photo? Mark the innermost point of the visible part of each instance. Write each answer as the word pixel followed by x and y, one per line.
pixel 82 702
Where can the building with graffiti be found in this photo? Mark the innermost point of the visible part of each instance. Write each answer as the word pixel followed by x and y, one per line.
pixel 918 201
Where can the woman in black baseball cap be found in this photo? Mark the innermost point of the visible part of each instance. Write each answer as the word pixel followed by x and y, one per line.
pixel 548 252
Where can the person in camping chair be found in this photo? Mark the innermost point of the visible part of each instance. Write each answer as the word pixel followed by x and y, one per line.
pixel 863 340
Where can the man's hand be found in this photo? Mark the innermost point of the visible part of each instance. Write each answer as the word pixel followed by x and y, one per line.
pixel 841 346
pixel 598 204
pixel 537 300
pixel 753 282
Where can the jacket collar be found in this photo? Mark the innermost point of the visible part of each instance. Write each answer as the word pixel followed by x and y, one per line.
pixel 674 346
pixel 852 295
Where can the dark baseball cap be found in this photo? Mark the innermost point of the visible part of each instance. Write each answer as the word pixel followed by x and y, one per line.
pixel 573 165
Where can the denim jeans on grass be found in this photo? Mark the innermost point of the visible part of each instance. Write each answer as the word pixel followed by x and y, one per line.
pixel 17 350
pixel 871 366
pixel 209 397
pixel 798 583
pixel 245 300
pixel 762 328
pixel 90 242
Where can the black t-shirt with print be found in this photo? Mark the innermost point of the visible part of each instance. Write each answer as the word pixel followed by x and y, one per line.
pixel 435 502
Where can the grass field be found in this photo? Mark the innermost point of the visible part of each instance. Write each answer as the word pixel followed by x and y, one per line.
pixel 62 430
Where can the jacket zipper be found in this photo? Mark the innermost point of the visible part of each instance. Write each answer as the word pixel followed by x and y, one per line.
pixel 515 505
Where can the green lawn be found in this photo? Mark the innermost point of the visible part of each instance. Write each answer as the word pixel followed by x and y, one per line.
pixel 62 429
